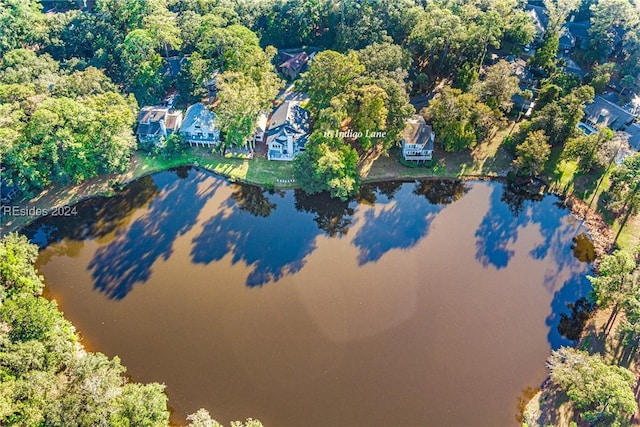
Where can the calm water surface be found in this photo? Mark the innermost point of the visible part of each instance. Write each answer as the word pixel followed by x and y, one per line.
pixel 417 304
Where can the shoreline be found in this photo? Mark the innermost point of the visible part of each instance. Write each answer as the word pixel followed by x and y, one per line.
pixel 108 185
pixel 599 231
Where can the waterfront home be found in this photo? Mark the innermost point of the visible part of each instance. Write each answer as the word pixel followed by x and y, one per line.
pixel 292 64
pixel 288 131
pixel 417 140
pixel 199 127
pixel 156 123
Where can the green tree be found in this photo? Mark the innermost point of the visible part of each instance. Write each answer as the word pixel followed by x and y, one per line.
pixel 585 148
pixel 498 87
pixel 624 192
pixel 600 76
pixel 606 15
pixel 532 154
pixel 21 24
pixel 330 75
pixel 327 165
pixel 142 66
pixel 17 274
pixel 460 119
pixel 385 60
pixel 611 285
pixel 602 394
pixel 558 11
pixel 546 55
pixel 143 405
pixel 241 100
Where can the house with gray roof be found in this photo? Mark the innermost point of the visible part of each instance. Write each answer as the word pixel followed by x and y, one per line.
pixel 199 127
pixel 567 40
pixel 580 32
pixel 156 123
pixel 418 140
pixel 634 136
pixel 605 113
pixel 540 19
pixel 288 131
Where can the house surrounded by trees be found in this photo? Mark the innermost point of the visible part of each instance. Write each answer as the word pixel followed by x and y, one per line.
pixel 417 140
pixel 288 131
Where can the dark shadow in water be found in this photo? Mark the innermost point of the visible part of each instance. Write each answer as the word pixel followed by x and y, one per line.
pixel 515 209
pixel 515 196
pixel 571 324
pixel 498 229
pixel 333 216
pixel 93 218
pixel 583 248
pixel 571 291
pixel 370 194
pixel 441 192
pixel 399 226
pixel 272 246
pixel 128 259
pixel 254 199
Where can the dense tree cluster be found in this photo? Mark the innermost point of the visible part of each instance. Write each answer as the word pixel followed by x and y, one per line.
pixel 47 376
pixel 58 125
pixel 602 394
pixel 362 107
pixel 40 357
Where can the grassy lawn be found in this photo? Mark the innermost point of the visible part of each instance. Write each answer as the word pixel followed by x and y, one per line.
pixel 486 159
pixel 256 171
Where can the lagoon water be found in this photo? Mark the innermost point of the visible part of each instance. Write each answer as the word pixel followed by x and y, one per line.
pixel 429 303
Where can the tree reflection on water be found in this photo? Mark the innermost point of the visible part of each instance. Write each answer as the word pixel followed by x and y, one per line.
pixel 127 260
pixel 271 246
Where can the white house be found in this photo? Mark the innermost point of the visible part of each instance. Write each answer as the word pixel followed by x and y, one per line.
pixel 288 131
pixel 156 123
pixel 199 126
pixel 418 140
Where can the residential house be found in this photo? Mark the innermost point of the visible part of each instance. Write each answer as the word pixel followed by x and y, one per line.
pixel 580 32
pixel 288 131
pixel 567 40
pixel 199 127
pixel 418 140
pixel 540 19
pixel 602 112
pixel 522 104
pixel 292 64
pixel 156 123
pixel 634 136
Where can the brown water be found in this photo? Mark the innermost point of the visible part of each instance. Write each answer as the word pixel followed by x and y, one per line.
pixel 301 311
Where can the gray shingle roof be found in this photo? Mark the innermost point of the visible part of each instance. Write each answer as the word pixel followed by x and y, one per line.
pixel 291 114
pixel 199 115
pixel 606 113
pixel 418 132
